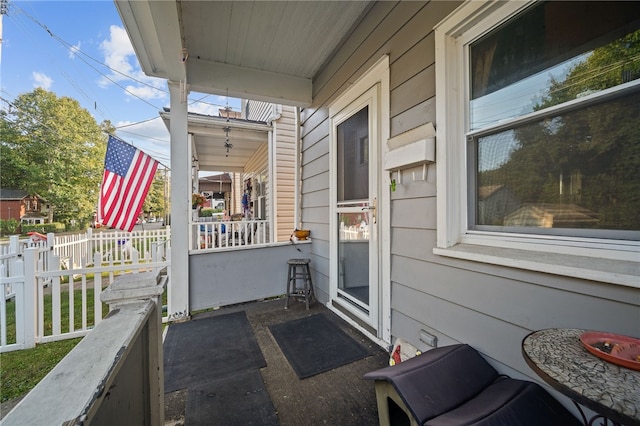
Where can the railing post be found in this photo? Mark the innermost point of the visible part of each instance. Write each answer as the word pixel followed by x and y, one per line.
pixel 115 374
pixel 14 241
pixel 97 289
pixel 30 258
pixel 133 288
pixel 89 252
pixel 14 248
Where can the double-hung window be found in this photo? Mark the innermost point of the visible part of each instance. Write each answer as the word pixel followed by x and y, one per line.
pixel 538 110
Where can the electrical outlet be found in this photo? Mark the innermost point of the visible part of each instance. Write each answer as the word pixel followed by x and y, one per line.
pixel 429 339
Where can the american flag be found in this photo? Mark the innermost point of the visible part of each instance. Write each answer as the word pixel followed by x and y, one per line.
pixel 128 173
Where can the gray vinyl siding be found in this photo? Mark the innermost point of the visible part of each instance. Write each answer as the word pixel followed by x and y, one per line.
pixel 490 307
pixel 404 31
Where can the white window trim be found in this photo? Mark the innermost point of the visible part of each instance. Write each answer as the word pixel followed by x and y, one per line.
pixel 610 261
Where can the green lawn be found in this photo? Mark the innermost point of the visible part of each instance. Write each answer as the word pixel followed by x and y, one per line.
pixel 64 307
pixel 21 370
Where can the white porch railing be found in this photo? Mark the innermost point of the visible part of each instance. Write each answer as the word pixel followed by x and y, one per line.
pixel 118 246
pixel 46 300
pixel 214 234
pixel 115 374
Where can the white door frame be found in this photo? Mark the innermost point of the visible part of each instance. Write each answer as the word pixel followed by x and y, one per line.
pixel 374 83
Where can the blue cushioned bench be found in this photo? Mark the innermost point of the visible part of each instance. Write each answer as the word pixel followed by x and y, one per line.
pixel 455 386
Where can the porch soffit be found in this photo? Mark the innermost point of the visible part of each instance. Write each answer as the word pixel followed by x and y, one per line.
pixel 209 138
pixel 262 50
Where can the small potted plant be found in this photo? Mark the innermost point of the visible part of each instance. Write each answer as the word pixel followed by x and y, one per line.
pixel 197 200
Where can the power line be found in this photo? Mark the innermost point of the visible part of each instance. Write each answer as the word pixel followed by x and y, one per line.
pixel 137 123
pixel 158 155
pixel 80 53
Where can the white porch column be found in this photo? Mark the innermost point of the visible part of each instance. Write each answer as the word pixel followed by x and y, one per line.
pixel 178 288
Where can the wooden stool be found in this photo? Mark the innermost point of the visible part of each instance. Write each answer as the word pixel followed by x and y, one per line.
pixel 299 270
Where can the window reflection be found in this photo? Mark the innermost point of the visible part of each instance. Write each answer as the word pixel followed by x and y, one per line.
pixel 553 53
pixel 353 157
pixel 573 169
pixel 576 170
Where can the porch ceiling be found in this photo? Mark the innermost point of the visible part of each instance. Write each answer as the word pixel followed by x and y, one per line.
pixel 263 50
pixel 209 138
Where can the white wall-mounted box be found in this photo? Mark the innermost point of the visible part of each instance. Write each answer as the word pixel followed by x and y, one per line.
pixel 412 148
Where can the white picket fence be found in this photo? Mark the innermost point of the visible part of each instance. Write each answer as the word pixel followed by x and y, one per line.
pixel 36 278
pixel 353 232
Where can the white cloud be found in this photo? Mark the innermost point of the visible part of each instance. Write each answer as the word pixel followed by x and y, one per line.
pixel 211 104
pixel 118 52
pixel 145 92
pixel 120 57
pixel 150 136
pixel 203 108
pixel 73 50
pixel 153 129
pixel 41 80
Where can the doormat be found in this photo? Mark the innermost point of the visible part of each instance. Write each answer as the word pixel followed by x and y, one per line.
pixel 233 401
pixel 207 349
pixel 314 345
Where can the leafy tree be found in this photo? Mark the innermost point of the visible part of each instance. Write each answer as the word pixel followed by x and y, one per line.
pixel 615 63
pixel 593 153
pixel 154 203
pixel 53 147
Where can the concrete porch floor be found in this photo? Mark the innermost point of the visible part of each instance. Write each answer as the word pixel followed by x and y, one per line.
pixel 336 397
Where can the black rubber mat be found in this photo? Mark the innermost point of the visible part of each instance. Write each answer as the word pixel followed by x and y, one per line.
pixel 314 345
pixel 207 349
pixel 240 400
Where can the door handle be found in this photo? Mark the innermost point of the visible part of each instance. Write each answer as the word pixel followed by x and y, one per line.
pixel 372 208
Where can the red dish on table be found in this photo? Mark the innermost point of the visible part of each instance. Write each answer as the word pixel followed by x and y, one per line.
pixel 615 348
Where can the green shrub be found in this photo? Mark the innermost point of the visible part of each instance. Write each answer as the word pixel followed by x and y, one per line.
pixel 77 225
pixel 9 226
pixel 43 228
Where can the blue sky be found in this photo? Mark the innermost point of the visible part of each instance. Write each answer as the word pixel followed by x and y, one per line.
pixel 80 49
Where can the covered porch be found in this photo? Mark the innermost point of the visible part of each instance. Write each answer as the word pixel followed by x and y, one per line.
pixel 338 397
pixel 240 161
pixel 128 371
pixel 250 60
pixel 432 280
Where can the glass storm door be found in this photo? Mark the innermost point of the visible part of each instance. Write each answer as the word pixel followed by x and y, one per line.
pixel 355 283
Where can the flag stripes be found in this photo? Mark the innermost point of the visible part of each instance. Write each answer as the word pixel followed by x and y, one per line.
pixel 127 177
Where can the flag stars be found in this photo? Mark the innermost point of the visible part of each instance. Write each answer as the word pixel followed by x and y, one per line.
pixel 119 156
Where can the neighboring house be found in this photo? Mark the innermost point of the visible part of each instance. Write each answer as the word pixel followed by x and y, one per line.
pixel 256 148
pixel 214 188
pixel 405 110
pixel 552 216
pixel 21 206
pixel 495 202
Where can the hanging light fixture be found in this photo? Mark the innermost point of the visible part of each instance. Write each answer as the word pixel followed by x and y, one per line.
pixel 227 129
pixel 227 145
